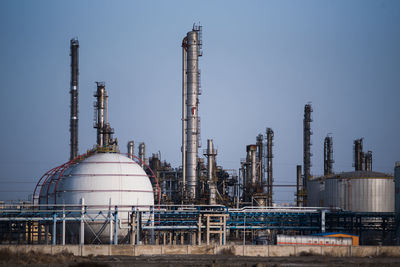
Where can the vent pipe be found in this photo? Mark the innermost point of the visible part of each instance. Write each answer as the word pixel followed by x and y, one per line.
pixel 270 137
pixel 328 156
pixel 131 149
pixel 192 75
pixel 307 149
pixel 73 127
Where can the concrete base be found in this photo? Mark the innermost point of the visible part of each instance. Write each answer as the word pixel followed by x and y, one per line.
pixel 237 250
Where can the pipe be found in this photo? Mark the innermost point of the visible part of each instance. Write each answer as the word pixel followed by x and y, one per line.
pixel 184 119
pixel 73 127
pixel 192 75
pixel 131 149
pixel 270 137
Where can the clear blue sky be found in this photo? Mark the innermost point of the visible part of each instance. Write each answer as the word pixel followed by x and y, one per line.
pixel 263 61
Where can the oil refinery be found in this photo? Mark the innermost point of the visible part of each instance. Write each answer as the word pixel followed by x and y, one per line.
pixel 112 195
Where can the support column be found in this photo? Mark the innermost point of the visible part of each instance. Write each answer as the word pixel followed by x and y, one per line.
pixel 116 226
pixel 63 227
pixel 133 226
pixel 82 224
pixel 54 236
pixel 199 232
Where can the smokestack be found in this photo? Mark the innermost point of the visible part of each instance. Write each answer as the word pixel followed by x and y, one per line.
pixel 131 149
pixel 299 187
pixel 270 137
pixel 73 127
pixel 190 124
pixel 307 149
pixel 328 156
pixel 211 154
pixel 358 155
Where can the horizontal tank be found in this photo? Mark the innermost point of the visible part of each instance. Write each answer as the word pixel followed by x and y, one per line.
pixel 360 191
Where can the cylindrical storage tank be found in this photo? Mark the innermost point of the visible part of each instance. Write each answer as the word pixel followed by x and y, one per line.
pixel 315 192
pixel 360 191
pixel 103 179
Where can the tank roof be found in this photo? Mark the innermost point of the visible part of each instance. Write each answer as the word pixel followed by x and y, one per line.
pixel 360 175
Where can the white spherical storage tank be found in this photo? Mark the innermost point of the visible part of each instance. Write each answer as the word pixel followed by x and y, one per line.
pixel 102 179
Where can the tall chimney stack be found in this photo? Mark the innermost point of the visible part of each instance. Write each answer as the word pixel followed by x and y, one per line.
pixel 73 126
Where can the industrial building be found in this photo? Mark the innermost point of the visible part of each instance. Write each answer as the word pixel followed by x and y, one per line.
pixel 106 196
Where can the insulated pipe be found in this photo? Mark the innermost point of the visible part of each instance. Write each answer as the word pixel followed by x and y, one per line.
pixel 192 75
pixel 184 120
pixel 73 127
pixel 131 149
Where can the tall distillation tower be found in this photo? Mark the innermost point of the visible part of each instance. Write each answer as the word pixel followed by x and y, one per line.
pixel 191 51
pixel 307 149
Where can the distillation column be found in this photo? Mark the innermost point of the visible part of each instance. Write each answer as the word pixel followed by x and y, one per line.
pixel 131 149
pixel 260 162
pixel 328 156
pixel 368 161
pixel 270 137
pixel 193 51
pixel 299 187
pixel 104 130
pixel 73 127
pixel 142 154
pixel 211 154
pixel 184 119
pixel 358 155
pixel 307 149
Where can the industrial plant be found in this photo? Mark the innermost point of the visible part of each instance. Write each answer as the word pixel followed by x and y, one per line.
pixel 111 194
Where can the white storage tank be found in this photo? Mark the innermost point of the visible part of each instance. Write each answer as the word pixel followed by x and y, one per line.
pixel 360 191
pixel 106 179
